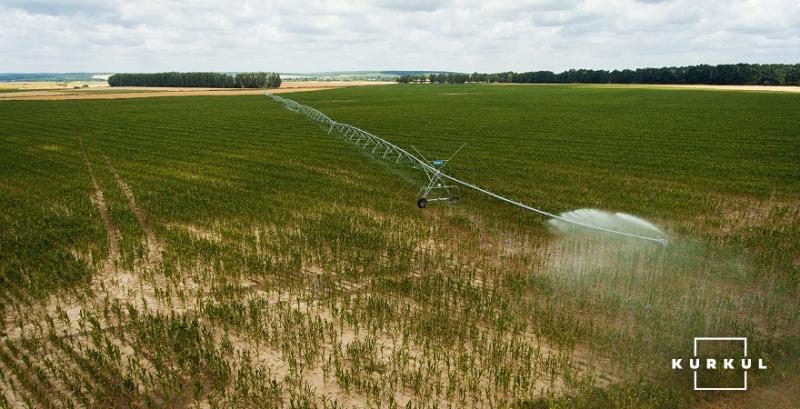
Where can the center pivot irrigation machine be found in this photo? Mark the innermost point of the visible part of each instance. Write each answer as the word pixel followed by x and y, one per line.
pixel 441 186
pixel 437 189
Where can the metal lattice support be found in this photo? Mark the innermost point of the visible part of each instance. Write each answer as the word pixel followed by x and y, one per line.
pixel 376 145
pixel 438 180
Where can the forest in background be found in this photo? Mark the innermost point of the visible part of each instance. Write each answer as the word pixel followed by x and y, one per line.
pixel 197 79
pixel 722 74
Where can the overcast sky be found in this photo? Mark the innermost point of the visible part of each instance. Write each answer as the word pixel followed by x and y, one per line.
pixel 316 35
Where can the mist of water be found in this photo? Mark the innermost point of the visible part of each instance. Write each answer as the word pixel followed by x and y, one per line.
pixel 622 222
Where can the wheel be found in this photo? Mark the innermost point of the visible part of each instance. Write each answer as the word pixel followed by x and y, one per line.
pixel 422 202
pixel 452 199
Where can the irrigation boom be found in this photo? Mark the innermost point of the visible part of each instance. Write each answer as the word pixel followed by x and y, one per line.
pixel 432 168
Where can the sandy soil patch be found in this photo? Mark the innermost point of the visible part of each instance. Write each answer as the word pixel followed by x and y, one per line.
pixel 106 92
pixel 198 232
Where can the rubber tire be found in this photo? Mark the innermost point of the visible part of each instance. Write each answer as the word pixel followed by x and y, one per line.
pixel 422 202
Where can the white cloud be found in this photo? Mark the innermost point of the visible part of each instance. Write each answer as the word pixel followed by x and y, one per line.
pixel 458 35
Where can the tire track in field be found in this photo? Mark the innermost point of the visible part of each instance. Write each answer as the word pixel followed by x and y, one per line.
pixel 153 248
pixel 100 203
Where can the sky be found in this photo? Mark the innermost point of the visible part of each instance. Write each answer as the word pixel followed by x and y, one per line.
pixel 448 35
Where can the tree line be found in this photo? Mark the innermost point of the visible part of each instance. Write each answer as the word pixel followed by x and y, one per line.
pixel 722 74
pixel 197 79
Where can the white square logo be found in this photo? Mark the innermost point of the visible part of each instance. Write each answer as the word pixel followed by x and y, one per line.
pixel 694 351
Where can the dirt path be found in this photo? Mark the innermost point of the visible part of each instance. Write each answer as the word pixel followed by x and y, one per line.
pixel 100 202
pixel 153 248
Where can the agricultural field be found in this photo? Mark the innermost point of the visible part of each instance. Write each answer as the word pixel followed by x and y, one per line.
pixel 226 252
pixel 101 90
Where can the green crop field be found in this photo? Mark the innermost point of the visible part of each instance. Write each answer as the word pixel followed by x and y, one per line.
pixel 226 252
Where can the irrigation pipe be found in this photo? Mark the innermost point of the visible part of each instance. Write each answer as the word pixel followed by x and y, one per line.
pixel 322 118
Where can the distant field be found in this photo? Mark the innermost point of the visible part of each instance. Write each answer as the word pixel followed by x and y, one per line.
pixel 55 91
pixel 51 84
pixel 730 143
pixel 225 252
pixel 101 90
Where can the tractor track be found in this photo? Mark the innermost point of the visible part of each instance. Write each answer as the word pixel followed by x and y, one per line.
pixel 153 248
pixel 99 201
